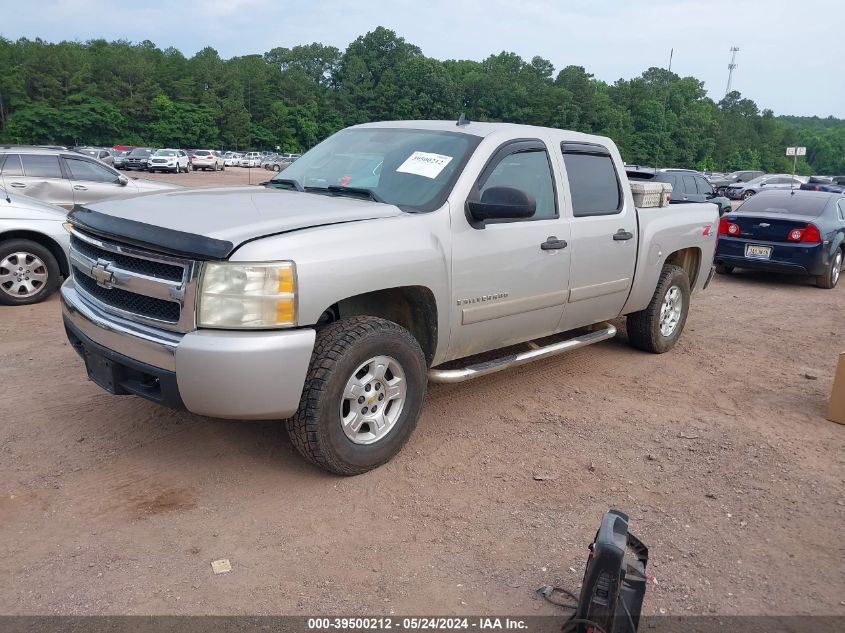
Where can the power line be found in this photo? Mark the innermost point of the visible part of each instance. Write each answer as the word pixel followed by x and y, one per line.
pixel 731 67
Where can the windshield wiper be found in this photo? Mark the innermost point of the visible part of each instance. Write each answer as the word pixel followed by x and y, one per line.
pixel 294 184
pixel 355 191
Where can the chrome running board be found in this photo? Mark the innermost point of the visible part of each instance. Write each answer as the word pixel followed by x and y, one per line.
pixel 515 360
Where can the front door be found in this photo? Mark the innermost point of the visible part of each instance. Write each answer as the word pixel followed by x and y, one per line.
pixel 507 286
pixel 604 236
pixel 92 181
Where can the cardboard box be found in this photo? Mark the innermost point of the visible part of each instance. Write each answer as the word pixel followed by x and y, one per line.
pixel 836 408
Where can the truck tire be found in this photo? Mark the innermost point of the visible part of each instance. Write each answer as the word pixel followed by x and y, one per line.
pixel 657 328
pixel 29 272
pixel 363 395
pixel 831 277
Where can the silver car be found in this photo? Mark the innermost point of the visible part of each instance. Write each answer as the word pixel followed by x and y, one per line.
pixel 67 178
pixel 33 249
pixel 744 190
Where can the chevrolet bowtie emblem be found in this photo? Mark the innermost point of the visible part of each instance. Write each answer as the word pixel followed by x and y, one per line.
pixel 101 274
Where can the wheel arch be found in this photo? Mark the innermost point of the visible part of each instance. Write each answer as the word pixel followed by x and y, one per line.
pixel 44 240
pixel 690 260
pixel 412 307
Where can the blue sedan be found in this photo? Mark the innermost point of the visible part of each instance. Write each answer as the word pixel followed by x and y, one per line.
pixel 800 232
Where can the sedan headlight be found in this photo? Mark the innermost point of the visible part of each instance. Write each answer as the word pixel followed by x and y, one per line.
pixel 245 296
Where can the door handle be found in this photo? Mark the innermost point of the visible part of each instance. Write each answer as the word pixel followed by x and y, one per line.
pixel 18 185
pixel 621 235
pixel 553 244
pixel 80 188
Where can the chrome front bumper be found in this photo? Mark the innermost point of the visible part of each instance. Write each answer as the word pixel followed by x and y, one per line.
pixel 219 373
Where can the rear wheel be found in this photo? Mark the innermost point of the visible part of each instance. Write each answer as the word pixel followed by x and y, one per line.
pixel 29 272
pixel 724 269
pixel 831 277
pixel 657 328
pixel 363 395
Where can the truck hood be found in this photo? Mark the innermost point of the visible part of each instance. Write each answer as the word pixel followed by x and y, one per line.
pixel 226 215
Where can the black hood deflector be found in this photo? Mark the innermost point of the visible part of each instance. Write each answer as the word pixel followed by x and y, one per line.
pixel 169 241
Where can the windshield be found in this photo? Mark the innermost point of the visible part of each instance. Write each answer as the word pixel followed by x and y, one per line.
pixel 413 169
pixel 140 152
pixel 165 152
pixel 202 152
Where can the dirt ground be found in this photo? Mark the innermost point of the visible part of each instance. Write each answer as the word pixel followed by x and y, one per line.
pixel 718 450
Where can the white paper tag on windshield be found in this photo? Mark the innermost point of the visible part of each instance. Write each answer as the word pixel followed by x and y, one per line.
pixel 424 164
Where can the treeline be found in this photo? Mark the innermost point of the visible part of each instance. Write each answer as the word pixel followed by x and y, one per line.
pixel 104 93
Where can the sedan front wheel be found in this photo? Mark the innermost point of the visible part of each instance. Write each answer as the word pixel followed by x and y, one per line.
pixel 29 272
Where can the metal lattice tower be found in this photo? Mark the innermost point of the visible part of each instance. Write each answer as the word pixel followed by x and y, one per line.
pixel 731 67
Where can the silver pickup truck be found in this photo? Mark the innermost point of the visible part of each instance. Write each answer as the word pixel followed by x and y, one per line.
pixel 389 255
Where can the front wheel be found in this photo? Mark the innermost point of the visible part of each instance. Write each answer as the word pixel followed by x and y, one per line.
pixel 831 277
pixel 29 272
pixel 362 397
pixel 747 195
pixel 657 328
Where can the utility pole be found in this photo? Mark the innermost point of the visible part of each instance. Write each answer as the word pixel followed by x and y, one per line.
pixel 731 68
pixel 659 143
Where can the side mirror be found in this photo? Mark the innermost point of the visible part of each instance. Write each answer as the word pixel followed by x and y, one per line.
pixel 502 203
pixel 123 180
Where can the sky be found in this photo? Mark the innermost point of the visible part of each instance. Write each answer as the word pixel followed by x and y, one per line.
pixel 790 57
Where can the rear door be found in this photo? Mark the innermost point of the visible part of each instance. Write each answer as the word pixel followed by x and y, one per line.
pixel 691 193
pixel 604 236
pixel 39 176
pixel 92 181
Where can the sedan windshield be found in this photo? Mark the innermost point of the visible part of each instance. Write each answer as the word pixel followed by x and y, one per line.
pixel 413 169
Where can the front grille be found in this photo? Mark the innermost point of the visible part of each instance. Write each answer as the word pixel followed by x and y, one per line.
pixel 148 307
pixel 135 283
pixel 131 264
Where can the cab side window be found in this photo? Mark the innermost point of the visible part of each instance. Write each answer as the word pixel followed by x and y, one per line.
pixel 529 171
pixel 593 183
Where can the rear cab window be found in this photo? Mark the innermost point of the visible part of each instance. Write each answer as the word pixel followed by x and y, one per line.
pixel 593 182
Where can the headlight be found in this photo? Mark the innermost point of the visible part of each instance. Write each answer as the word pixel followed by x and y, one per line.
pixel 243 296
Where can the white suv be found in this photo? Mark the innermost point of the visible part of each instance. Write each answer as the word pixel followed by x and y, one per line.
pixel 251 159
pixel 174 160
pixel 206 159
